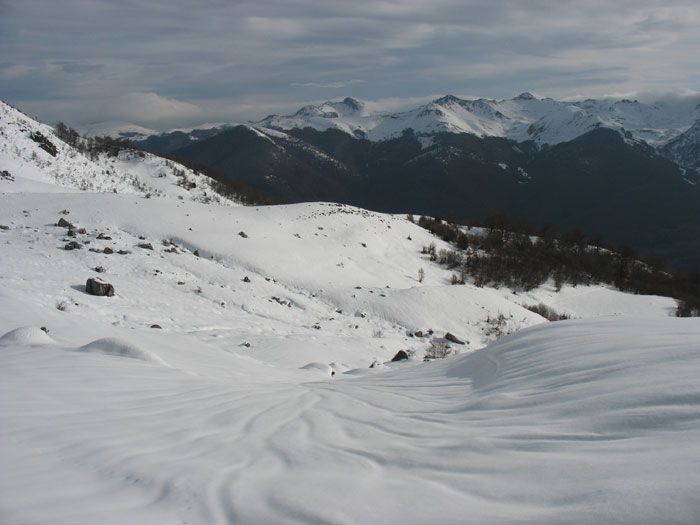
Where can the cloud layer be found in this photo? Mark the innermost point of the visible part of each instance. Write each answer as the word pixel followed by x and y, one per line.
pixel 168 63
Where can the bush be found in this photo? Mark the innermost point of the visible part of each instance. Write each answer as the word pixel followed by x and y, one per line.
pixel 438 350
pixel 546 312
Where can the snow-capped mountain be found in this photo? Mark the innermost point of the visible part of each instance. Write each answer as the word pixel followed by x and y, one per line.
pixel 116 129
pixel 241 371
pixel 525 117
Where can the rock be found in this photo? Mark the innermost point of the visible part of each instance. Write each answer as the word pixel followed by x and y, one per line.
pixel 64 223
pixel 246 279
pixel 156 326
pixel 419 333
pixel 73 245
pixel 243 234
pixel 99 269
pixel 4 227
pixel 82 231
pixel 196 253
pixel 145 245
pixel 124 252
pixel 95 286
pixel 71 233
pixel 400 356
pixel 108 250
pixel 453 338
pixel 103 237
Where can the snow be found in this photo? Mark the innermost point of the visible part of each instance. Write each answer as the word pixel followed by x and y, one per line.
pixel 526 117
pixel 115 129
pixel 254 402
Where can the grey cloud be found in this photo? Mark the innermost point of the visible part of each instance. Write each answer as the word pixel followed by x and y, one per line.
pixel 220 59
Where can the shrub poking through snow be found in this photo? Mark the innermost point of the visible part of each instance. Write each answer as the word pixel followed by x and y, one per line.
pixel 546 312
pixel 437 350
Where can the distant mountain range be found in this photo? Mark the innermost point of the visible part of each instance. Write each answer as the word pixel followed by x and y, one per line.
pixel 627 170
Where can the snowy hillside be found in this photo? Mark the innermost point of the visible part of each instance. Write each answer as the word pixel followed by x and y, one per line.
pixel 525 117
pixel 31 150
pixel 241 371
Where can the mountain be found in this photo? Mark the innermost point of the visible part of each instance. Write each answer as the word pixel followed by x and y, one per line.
pixel 523 118
pixel 242 371
pixel 685 151
pixel 115 129
pixel 604 181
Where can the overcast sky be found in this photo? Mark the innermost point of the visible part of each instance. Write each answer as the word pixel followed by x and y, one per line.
pixel 184 62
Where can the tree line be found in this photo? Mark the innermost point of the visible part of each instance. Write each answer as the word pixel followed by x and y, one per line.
pixel 510 252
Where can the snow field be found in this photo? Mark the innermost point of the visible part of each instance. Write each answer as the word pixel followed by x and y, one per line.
pixel 254 402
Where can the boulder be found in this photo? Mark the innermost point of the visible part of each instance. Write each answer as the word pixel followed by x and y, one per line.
pixel 453 338
pixel 64 223
pixel 400 356
pixel 95 286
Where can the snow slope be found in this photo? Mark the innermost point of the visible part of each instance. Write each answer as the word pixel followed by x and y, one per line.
pixel 131 172
pixel 525 117
pixel 253 400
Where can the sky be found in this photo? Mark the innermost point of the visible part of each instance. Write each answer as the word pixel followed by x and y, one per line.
pixel 178 63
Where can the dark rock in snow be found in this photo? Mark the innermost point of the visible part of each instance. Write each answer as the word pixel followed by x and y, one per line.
pixel 156 326
pixel 108 250
pixel 145 245
pixel 453 338
pixel 64 223
pixel 99 287
pixel 400 356
pixel 73 245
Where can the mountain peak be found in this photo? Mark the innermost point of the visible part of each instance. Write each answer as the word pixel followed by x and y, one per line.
pixel 447 99
pixel 353 103
pixel 526 95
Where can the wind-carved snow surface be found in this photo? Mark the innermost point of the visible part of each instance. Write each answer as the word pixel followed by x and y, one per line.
pixel 228 379
pixel 525 117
